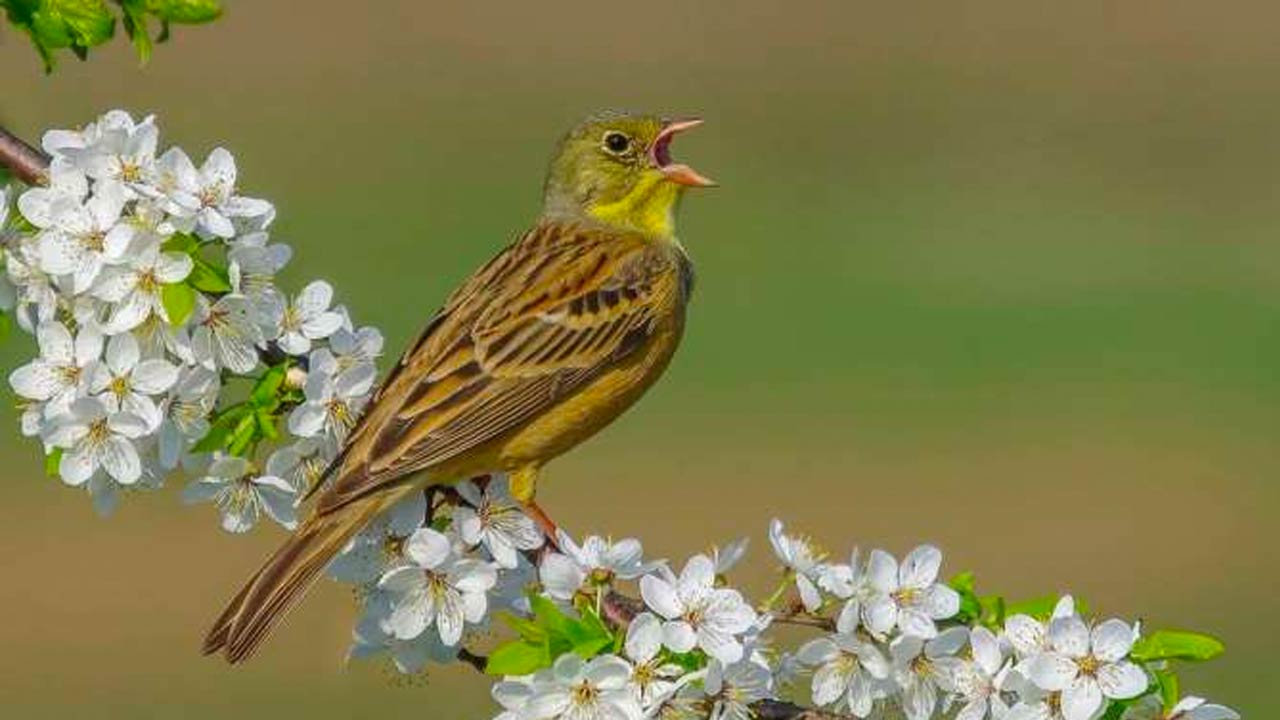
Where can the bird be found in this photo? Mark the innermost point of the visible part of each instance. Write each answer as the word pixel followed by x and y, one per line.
pixel 544 345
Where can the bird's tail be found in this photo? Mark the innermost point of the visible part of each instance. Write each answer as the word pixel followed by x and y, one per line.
pixel 287 575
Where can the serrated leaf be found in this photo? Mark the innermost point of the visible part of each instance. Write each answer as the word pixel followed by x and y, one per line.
pixel 84 23
pixel 1177 645
pixel 527 629
pixel 518 658
pixel 179 300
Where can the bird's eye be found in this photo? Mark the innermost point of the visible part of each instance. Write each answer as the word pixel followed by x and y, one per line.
pixel 616 142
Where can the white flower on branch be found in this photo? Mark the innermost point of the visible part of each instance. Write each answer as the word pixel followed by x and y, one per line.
pixel 575 689
pixel 61 373
pixel 84 237
pixel 733 687
pixel 380 546
pixel 652 678
pixel 1030 637
pixel 697 613
pixel 128 383
pixel 252 267
pixel 725 558
pixel 186 413
pixel 225 335
pixel 93 438
pixel 333 402
pixel 980 681
pixel 241 495
pixel 296 324
pixel 134 288
pixel 851 584
pixel 118 152
pixel 513 695
pixel 908 597
pixel 303 464
pixel 594 564
pixel 849 672
pixel 493 519
pixel 802 559
pixel 439 588
pixel 204 200
pixel 924 668
pixel 41 205
pixel 1088 666
pixel 370 638
pixel 353 348
pixel 1188 708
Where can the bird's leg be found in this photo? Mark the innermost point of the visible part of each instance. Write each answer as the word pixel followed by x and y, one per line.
pixel 524 484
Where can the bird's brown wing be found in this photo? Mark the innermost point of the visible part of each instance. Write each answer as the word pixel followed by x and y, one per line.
pixel 541 320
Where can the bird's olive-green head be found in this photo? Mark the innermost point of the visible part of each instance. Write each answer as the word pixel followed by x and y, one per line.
pixel 616 168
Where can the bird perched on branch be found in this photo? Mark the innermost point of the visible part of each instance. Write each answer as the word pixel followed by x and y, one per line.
pixel 543 346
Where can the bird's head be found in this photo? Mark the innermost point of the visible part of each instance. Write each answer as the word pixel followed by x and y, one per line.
pixel 616 168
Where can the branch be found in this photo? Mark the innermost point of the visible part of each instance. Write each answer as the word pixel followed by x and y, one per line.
pixel 30 165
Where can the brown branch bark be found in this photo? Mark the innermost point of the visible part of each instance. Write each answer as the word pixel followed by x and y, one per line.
pixel 28 164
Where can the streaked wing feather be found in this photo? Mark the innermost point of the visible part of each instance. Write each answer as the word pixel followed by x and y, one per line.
pixel 537 324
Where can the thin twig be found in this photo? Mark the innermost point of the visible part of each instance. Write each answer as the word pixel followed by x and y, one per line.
pixel 30 165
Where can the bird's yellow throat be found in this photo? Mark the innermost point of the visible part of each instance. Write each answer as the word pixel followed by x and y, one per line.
pixel 649 208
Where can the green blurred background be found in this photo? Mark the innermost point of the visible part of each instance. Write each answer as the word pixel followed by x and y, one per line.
pixel 1001 276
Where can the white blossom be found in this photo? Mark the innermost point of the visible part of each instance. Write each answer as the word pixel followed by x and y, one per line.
pixel 118 153
pixel 802 559
pixel 1188 708
pixel 379 546
pixel 849 672
pixel 1088 666
pixel 495 520
pixel 726 557
pixel 93 438
pixel 652 678
pixel 304 319
pixel 61 373
pixel 923 669
pixel 908 597
pixel 594 564
pixel 733 687
pixel 186 413
pixel 302 463
pixel 204 200
pixel 575 689
pixel 333 403
pixel 851 584
pixel 241 495
pixel 135 288
pixel 980 681
pixel 369 638
pixel 439 588
pixel 83 237
pixel 225 335
pixel 253 264
pixel 129 382
pixel 697 613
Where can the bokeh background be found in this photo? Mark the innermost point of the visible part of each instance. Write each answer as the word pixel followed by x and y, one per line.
pixel 1002 276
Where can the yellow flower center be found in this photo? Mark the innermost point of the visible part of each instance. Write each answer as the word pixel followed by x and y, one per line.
pixel 584 693
pixel 1088 665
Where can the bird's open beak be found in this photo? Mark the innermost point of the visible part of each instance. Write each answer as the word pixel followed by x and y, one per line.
pixel 660 156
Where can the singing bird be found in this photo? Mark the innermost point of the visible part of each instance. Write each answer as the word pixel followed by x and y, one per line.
pixel 543 346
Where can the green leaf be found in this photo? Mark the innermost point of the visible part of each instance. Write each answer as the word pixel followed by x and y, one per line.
pixel 181 242
pixel 53 462
pixel 179 300
pixel 185 11
pixel 207 277
pixel 1115 709
pixel 73 23
pixel 527 629
pixel 970 607
pixel 1167 683
pixel 518 658
pixel 268 386
pixel 135 26
pixel 267 425
pixel 244 435
pixel 1177 645
pixel 222 428
pixel 5 324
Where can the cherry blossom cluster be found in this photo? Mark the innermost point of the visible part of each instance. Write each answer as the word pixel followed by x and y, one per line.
pixel 148 282
pixel 892 639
